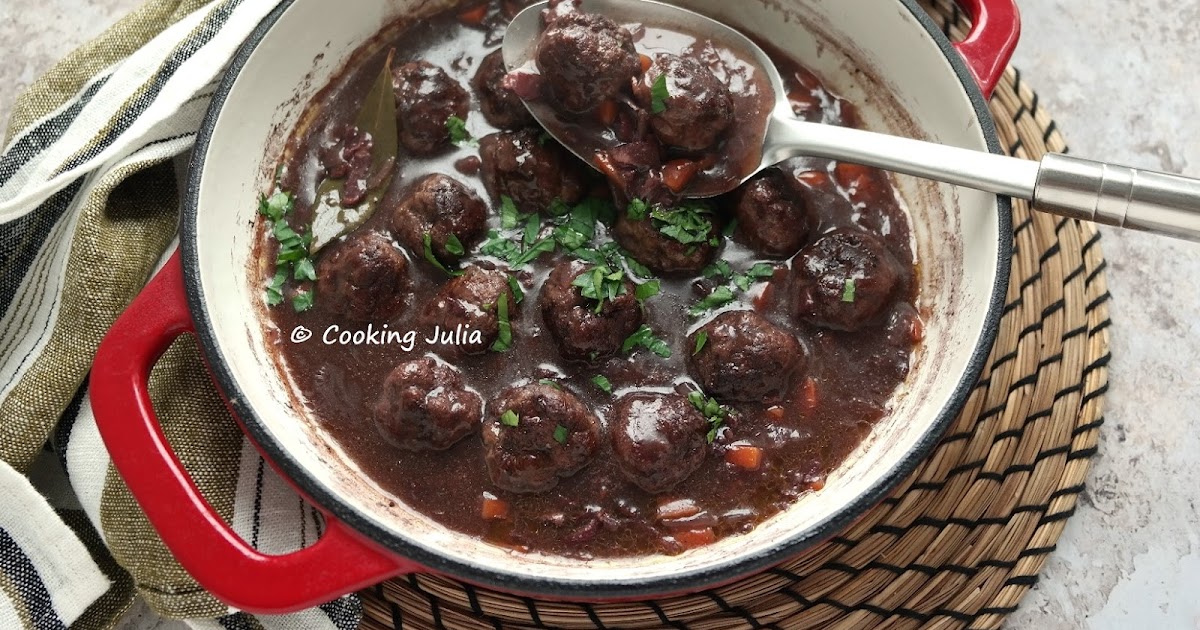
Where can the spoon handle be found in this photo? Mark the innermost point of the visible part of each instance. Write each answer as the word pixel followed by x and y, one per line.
pixel 1068 186
pixel 1119 195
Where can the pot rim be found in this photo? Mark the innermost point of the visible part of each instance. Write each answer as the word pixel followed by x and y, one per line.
pixel 689 581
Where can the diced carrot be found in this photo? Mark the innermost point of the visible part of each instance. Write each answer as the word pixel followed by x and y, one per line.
pixel 646 63
pixel 605 165
pixel 816 485
pixel 670 510
pixel 494 509
pixel 776 412
pixel 917 332
pixel 808 395
pixel 693 538
pixel 745 457
pixel 677 174
pixel 474 16
pixel 813 179
pixel 607 113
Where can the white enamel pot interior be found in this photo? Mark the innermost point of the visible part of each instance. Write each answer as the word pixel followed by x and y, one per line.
pixel 963 242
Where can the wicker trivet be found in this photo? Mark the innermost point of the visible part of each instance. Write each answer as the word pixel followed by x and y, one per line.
pixel 963 539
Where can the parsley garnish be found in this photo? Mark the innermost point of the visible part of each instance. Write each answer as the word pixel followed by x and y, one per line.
pixel 294 257
pixel 504 341
pixel 718 270
pixel 637 209
pixel 601 283
pixel 561 434
pixel 719 297
pixel 433 259
pixel 647 290
pixel 458 132
pixel 659 95
pixel 714 412
pixel 701 341
pixel 550 383
pixel 510 418
pixel 455 246
pixel 533 227
pixel 603 383
pixel 730 229
pixel 510 217
pixel 687 224
pixel 535 251
pixel 517 291
pixel 849 291
pixel 645 338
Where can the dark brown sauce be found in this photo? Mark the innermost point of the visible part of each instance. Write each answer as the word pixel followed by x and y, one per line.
pixel 851 378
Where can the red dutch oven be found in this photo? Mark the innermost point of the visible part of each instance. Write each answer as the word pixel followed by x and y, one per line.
pixel 914 81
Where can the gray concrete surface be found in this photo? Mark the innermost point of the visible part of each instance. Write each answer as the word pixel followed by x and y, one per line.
pixel 1121 79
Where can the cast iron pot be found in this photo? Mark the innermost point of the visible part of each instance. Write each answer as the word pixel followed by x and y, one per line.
pixel 915 82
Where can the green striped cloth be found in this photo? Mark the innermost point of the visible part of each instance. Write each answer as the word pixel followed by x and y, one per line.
pixel 88 209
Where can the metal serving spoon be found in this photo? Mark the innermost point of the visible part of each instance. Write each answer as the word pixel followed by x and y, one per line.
pixel 1059 184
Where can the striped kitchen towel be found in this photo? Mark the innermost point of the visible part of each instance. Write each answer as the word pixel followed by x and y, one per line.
pixel 88 209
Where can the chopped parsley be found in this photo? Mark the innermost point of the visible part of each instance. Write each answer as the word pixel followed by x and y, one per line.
pixel 561 434
pixel 504 341
pixel 730 229
pixel 719 297
pixel 849 291
pixel 455 246
pixel 601 283
pixel 533 227
pixel 689 223
pixel 603 383
pixel 458 132
pixel 294 258
pixel 433 259
pixel 718 270
pixel 713 411
pixel 510 419
pixel 647 290
pixel 550 383
pixel 637 210
pixel 510 216
pixel 645 338
pixel 701 341
pixel 517 291
pixel 533 252
pixel 659 95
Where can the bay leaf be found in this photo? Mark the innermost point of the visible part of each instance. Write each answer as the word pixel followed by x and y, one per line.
pixel 376 117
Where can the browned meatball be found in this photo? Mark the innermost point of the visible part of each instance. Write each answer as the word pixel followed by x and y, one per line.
pixel 586 59
pixel 470 301
pixel 772 218
pixel 500 105
pixel 555 435
pixel 662 253
pixel 582 333
pixel 425 98
pixel 425 406
pixel 746 358
pixel 363 277
pixel 530 170
pixel 699 107
pixel 845 280
pixel 658 439
pixel 441 207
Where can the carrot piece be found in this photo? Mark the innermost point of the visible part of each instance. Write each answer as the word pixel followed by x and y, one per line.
pixel 917 333
pixel 673 510
pixel 607 112
pixel 474 16
pixel 808 395
pixel 646 63
pixel 693 538
pixel 605 165
pixel 745 457
pixel 677 174
pixel 776 412
pixel 494 509
pixel 816 485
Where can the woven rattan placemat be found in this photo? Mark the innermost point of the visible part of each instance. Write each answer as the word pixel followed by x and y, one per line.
pixel 963 539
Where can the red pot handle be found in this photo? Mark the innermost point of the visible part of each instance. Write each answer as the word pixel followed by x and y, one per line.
pixel 220 561
pixel 989 46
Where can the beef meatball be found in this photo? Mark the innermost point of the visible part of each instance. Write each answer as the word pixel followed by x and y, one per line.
pixel 773 219
pixel 535 435
pixel 746 358
pixel 586 59
pixel 471 301
pixel 845 280
pixel 699 107
pixel 363 277
pixel 662 253
pixel 582 332
pixel 500 105
pixel 531 171
pixel 426 97
pixel 424 405
pixel 441 207
pixel 658 439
